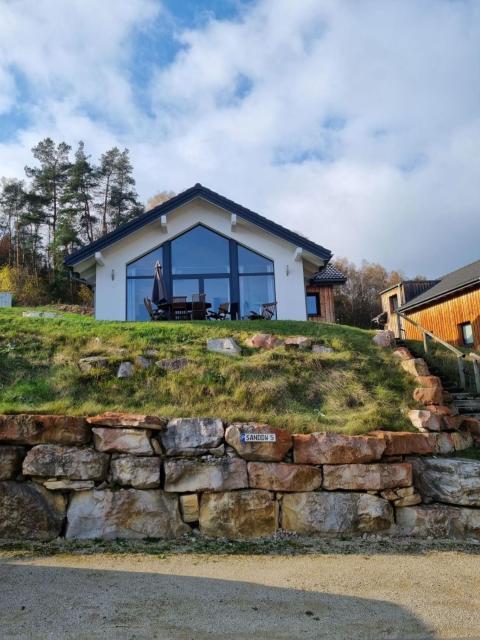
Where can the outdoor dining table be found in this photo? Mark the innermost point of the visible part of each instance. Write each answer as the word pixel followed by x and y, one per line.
pixel 167 306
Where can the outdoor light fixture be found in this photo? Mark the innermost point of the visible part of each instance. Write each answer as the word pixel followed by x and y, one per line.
pixel 113 274
pixel 287 270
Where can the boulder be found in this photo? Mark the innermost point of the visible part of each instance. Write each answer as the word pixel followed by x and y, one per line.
pixel 125 370
pixel 438 521
pixel 135 420
pixel 415 367
pixel 402 353
pixel 443 410
pixel 320 348
pixel 367 477
pixel 264 341
pixel 212 474
pixel 462 440
pixel 238 433
pixel 30 512
pixel 408 501
pixel 142 363
pixel 402 497
pixel 429 381
pixel 384 339
pixel 323 512
pixel 33 429
pixel 425 420
pixel 238 514
pixel 68 485
pixel 444 443
pixel 127 513
pixel 172 364
pixel 192 436
pixel 56 461
pixel 280 476
pixel 11 458
pixel 226 346
pixel 134 441
pixel 190 507
pixel 87 365
pixel 471 424
pixel 428 395
pixel 136 472
pixel 450 480
pixel 405 443
pixel 452 423
pixel 298 342
pixel 335 448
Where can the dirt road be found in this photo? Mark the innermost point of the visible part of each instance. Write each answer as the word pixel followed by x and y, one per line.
pixel 187 597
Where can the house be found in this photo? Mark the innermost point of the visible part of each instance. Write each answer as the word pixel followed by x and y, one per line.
pixel 448 307
pixel 208 244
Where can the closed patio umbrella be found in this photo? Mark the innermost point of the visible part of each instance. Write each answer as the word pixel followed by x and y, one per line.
pixel 159 292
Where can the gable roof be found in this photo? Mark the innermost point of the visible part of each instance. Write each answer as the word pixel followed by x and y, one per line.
pixel 197 191
pixel 450 283
pixel 328 275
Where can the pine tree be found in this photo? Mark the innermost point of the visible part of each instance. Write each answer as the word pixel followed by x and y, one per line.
pixel 78 197
pixel 12 205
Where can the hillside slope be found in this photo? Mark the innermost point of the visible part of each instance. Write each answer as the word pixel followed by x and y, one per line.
pixel 355 389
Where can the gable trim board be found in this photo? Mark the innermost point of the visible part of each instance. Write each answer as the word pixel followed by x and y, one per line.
pixel 198 191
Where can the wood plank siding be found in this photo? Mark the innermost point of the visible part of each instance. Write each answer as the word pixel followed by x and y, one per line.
pixel 327 303
pixel 445 317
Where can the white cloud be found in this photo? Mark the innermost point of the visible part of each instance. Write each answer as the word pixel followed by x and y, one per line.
pixel 356 123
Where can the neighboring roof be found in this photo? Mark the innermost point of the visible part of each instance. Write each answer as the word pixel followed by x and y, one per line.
pixel 450 283
pixel 197 191
pixel 328 275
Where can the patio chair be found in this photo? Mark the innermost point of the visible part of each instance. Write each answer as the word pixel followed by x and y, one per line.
pixel 155 314
pixel 180 308
pixel 268 310
pixel 221 313
pixel 199 311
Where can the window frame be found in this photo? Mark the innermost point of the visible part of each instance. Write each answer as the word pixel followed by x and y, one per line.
pixel 233 275
pixel 462 325
pixel 316 295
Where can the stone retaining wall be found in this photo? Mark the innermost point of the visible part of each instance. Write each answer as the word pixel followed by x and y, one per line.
pixel 136 476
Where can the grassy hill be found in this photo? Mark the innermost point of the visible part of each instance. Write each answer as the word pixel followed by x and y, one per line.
pixel 355 389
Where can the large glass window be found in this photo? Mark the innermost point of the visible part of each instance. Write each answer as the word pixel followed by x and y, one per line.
pixel 255 291
pixel 185 287
pixel 140 283
pixel 200 251
pixel 251 262
pixel 217 290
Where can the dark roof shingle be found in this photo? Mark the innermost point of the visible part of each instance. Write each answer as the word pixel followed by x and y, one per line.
pixel 328 275
pixel 464 277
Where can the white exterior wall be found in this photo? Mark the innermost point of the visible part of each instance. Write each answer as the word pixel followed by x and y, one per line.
pixel 110 295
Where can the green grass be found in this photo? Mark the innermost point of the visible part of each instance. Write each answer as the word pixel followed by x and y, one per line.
pixel 356 389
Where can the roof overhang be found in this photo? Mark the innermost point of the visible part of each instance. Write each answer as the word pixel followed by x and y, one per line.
pixel 161 212
pixel 410 306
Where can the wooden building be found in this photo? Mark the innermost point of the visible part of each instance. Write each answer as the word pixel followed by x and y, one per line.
pixel 448 307
pixel 320 294
pixel 396 296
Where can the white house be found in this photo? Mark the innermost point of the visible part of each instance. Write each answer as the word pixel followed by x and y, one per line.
pixel 205 244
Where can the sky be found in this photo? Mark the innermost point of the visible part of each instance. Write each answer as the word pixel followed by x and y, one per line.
pixel 353 122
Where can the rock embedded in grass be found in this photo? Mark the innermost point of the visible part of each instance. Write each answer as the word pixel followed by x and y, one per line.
pixel 298 342
pixel 86 365
pixel 56 461
pixel 264 341
pixel 238 515
pixel 425 420
pixel 384 338
pixel 226 346
pixel 335 448
pixel 428 395
pixel 192 436
pixel 415 367
pixel 28 511
pixel 320 348
pixel 261 451
pixel 125 370
pixel 134 441
pixel 172 364
pixel 127 513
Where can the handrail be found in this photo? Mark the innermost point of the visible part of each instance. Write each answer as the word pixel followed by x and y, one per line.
pixel 461 357
pixel 431 335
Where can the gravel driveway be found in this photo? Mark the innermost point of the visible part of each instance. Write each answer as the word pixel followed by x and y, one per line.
pixel 354 597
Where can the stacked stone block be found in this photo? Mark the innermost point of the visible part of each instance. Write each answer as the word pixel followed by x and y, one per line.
pixel 135 476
